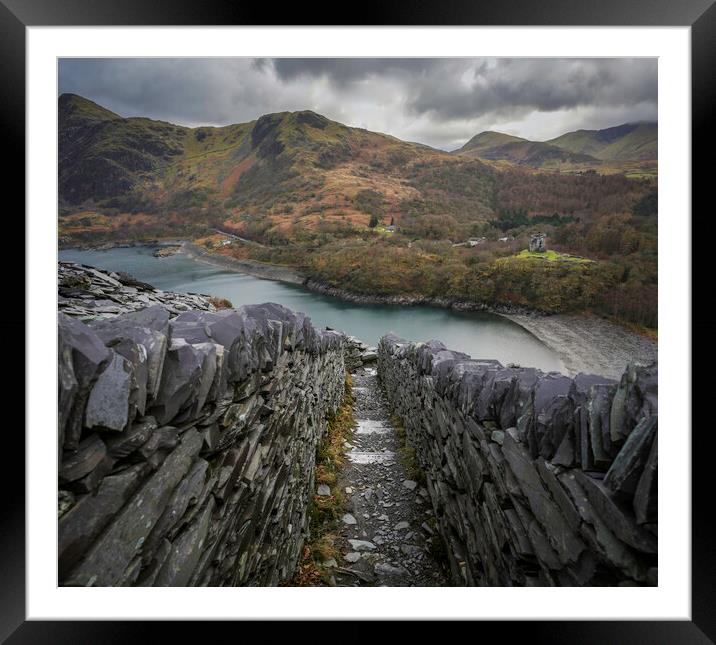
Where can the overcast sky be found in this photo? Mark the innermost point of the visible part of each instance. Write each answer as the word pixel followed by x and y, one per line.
pixel 441 102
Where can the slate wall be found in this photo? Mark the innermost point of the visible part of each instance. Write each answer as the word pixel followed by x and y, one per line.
pixel 187 444
pixel 536 479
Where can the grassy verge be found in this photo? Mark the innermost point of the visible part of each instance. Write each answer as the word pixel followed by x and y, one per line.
pixel 550 256
pixel 324 512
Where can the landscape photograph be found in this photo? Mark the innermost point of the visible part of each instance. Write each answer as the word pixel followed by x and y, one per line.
pixel 357 322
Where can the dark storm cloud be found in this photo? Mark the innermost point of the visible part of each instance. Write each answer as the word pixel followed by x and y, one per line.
pixel 473 87
pixel 441 102
pixel 509 86
pixel 346 70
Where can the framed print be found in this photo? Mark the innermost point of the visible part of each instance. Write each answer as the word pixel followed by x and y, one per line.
pixel 360 322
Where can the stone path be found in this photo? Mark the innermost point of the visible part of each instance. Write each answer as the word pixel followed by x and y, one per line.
pixel 386 535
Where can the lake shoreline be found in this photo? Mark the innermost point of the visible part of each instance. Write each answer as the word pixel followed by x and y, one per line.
pixel 587 343
pixel 293 276
pixel 583 342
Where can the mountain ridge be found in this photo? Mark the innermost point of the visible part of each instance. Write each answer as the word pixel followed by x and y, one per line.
pixel 290 176
pixel 628 142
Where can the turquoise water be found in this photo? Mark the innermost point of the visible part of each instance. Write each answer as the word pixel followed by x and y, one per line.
pixel 479 334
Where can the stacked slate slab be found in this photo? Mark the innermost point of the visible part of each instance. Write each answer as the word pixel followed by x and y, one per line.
pixel 188 441
pixel 536 479
pixel 89 293
pixel 357 354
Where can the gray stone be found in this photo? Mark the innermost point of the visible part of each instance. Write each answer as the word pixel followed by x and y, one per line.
pixel 626 469
pixel 361 545
pixel 108 403
pixel 561 536
pixel 498 436
pixel 348 519
pixel 323 490
pixel 386 569
pixel 90 453
pixel 646 494
pixel 124 444
pixel 79 345
pixel 185 551
pixel 180 380
pixel 186 494
pixel 85 520
pixel 615 517
pixel 401 526
pixel 410 484
pixel 108 558
pixel 165 438
pixel 352 557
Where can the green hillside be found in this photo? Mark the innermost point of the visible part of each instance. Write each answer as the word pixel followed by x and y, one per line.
pixel 630 141
pixel 630 148
pixel 486 140
pixel 496 146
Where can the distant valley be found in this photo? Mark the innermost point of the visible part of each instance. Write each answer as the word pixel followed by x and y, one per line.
pixel 368 213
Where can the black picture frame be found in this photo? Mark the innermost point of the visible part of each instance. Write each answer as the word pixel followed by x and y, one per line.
pixel 700 15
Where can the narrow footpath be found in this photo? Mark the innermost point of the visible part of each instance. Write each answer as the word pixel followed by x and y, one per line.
pixel 387 536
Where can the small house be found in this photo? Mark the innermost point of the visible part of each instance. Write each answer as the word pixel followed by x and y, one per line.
pixel 475 241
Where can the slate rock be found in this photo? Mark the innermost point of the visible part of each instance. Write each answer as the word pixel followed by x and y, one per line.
pixel 138 434
pixel 90 453
pixel 386 569
pixel 626 469
pixel 186 551
pixel 85 520
pixel 615 517
pixel 646 500
pixel 90 482
pixel 88 355
pixel 108 402
pixel 109 556
pixel 561 536
pixel 180 380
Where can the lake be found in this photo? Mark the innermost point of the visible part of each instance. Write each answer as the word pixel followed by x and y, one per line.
pixel 479 334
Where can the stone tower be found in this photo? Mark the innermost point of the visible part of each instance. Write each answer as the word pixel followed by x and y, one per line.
pixel 537 243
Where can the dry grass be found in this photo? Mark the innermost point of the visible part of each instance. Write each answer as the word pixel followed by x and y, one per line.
pixel 221 303
pixel 324 512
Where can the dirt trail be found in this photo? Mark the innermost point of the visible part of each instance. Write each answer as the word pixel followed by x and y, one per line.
pixel 386 537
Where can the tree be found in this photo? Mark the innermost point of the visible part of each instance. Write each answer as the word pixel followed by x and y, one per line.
pixel 647 205
pixel 373 221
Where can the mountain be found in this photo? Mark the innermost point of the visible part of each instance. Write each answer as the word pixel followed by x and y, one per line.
pixel 497 146
pixel 487 140
pixel 271 173
pixel 629 141
pixel 294 178
pixel 617 148
pixel 303 191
